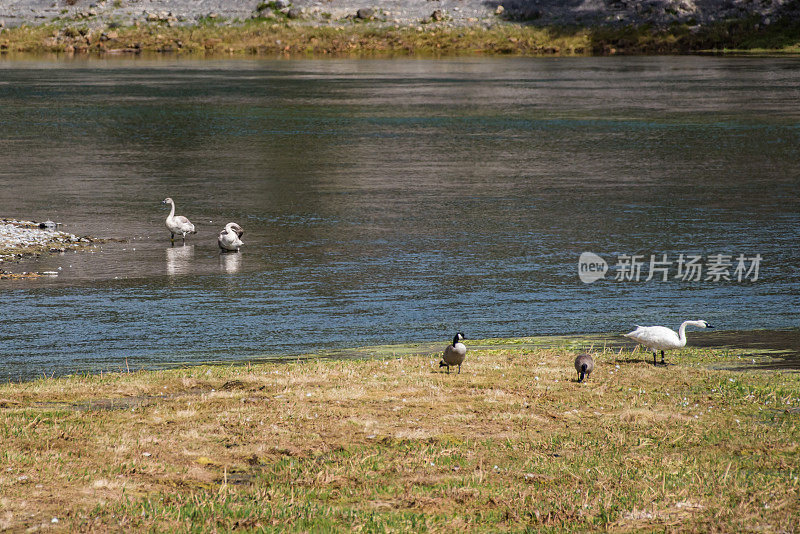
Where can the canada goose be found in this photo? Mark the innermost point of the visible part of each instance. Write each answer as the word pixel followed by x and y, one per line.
pixel 584 364
pixel 454 354
pixel 663 338
pixel 228 239
pixel 177 224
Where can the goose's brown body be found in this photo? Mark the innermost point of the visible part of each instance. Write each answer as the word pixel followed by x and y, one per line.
pixel 584 364
pixel 454 353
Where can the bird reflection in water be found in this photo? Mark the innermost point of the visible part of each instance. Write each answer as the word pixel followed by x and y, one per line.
pixel 179 259
pixel 230 262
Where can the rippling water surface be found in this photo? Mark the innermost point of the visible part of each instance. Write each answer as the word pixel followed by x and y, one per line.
pixel 389 201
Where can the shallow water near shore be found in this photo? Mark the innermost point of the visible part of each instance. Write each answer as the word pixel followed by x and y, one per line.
pixel 391 202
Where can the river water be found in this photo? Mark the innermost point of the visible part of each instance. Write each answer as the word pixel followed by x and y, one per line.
pixel 393 201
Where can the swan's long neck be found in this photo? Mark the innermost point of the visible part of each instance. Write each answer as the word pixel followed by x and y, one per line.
pixel 171 210
pixel 229 228
pixel 682 333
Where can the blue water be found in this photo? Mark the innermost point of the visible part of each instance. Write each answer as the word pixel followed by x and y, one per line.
pixel 389 201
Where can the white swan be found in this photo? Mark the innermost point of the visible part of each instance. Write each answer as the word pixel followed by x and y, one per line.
pixel 228 239
pixel 454 354
pixel 177 224
pixel 663 338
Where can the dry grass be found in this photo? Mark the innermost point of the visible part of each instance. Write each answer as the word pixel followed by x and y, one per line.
pixel 280 38
pixel 512 443
pixel 271 37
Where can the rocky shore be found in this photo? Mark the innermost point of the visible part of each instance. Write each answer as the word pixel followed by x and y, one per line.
pixel 20 239
pixel 283 39
pixel 407 27
pixel 661 13
pixel 342 27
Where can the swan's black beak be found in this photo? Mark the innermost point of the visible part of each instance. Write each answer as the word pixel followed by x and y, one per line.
pixel 709 326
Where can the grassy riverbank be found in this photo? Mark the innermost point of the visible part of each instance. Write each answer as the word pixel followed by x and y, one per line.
pixel 271 37
pixel 393 444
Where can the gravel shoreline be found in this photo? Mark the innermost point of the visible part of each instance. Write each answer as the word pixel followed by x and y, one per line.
pixel 588 13
pixel 21 239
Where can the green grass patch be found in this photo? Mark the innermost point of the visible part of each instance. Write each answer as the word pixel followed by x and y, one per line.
pixel 390 443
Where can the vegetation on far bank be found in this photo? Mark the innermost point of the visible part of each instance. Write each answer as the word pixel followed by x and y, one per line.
pixel 511 443
pixel 286 37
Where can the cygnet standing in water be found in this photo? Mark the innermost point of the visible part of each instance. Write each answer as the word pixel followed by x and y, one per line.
pixel 584 364
pixel 229 238
pixel 177 224
pixel 454 354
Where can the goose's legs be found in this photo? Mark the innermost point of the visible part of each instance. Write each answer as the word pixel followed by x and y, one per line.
pixel 654 358
pixel 662 358
pixel 459 368
pixel 172 236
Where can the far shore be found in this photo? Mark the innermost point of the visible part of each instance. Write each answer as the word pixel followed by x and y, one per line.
pixel 286 38
pixel 394 443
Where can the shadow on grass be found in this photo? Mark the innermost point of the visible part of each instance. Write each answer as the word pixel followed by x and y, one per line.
pixel 630 360
pixel 745 32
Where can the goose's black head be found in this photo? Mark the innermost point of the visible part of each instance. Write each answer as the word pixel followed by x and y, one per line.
pixel 458 337
pixel 707 325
